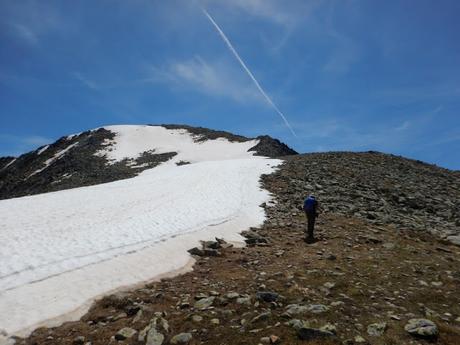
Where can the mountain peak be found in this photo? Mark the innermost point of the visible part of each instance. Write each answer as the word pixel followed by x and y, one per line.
pixel 112 153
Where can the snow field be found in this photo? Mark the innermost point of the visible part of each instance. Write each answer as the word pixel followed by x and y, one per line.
pixel 131 140
pixel 66 248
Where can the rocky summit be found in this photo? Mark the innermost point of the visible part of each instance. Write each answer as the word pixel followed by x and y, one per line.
pixel 383 271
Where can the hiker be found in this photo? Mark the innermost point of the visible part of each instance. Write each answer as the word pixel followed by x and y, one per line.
pixel 310 206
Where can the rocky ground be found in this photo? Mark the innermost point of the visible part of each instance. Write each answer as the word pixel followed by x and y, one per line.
pixel 375 275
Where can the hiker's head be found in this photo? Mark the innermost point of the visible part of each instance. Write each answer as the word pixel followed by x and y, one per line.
pixel 312 196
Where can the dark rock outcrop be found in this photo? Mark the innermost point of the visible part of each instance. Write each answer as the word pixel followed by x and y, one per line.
pixel 270 147
pixel 41 171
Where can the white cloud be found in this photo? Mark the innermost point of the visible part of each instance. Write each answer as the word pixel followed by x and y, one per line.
pixel 215 78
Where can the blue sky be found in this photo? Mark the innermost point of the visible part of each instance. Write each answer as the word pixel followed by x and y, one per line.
pixel 348 75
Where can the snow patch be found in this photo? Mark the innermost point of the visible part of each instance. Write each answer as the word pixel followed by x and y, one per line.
pixel 131 141
pixel 11 162
pixel 43 149
pixel 51 160
pixel 67 247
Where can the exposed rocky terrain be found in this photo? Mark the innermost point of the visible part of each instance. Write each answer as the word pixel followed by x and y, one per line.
pixel 380 188
pixel 382 271
pixel 72 161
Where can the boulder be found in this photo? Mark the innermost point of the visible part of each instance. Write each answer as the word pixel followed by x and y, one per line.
pixel 422 328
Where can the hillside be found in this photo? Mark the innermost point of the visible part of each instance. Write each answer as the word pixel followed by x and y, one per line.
pixel 83 159
pixel 386 256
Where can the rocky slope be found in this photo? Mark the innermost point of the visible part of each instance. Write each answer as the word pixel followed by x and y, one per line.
pixel 72 161
pixel 380 188
pixel 375 276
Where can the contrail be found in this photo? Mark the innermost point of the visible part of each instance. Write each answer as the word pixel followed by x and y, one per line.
pixel 235 53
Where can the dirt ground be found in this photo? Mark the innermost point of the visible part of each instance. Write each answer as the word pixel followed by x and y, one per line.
pixel 361 273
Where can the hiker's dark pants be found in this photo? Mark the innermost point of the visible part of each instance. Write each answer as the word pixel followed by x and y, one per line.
pixel 311 217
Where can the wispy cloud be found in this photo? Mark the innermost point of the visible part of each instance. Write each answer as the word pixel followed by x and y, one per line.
pixel 26 33
pixel 31 20
pixel 403 126
pixel 85 81
pixel 212 78
pixel 345 51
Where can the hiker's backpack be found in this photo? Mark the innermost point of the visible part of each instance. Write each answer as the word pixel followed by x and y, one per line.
pixel 309 205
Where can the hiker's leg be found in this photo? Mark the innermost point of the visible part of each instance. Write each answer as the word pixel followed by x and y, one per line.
pixel 311 225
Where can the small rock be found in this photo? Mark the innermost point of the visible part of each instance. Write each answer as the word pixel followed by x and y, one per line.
pixel 204 302
pixel 120 316
pixel 389 245
pixel 80 340
pixel 360 340
pixel 261 317
pixel 138 316
pixel 329 285
pixel 232 295
pixel 244 300
pixel 329 327
pixel 308 334
pixel 317 308
pixel 376 329
pixel 215 321
pixel 454 240
pixel 422 328
pixel 196 251
pixel 267 296
pixel 125 333
pixel 154 337
pixel 274 339
pixel 337 303
pixel 181 338
pixel 197 318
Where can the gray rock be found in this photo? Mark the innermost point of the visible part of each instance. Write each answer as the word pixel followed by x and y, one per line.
pixel 154 337
pixel 80 340
pixel 197 318
pixel 204 302
pixel 308 334
pixel 296 309
pixel 454 239
pixel 181 338
pixel 232 295
pixel 261 317
pixel 422 328
pixel 125 333
pixel 360 340
pixel 376 329
pixel 267 296
pixel 297 324
pixel 196 251
pixel 244 300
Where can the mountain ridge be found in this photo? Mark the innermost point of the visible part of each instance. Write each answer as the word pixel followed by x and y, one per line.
pixel 78 163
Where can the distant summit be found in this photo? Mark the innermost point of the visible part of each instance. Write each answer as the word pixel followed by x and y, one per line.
pixel 113 153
